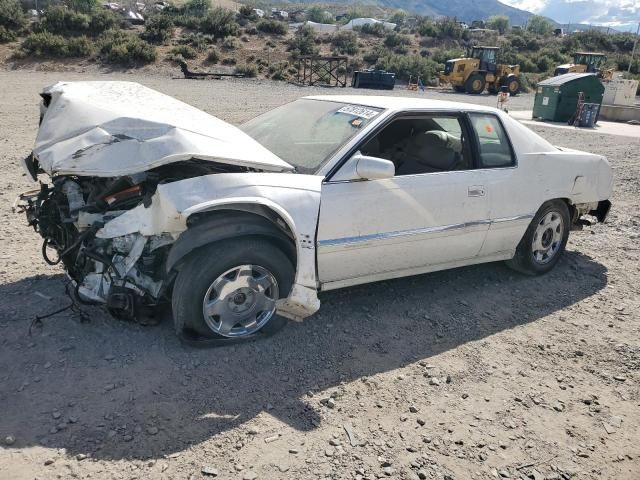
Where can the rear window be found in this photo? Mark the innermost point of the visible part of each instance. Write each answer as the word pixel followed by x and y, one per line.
pixel 494 147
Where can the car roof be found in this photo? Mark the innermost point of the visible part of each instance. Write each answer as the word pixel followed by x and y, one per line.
pixel 402 103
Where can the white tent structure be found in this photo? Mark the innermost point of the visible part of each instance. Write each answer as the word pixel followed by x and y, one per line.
pixel 359 22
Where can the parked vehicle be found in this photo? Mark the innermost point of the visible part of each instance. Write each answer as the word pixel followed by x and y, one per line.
pixel 146 200
pixel 481 70
pixel 587 62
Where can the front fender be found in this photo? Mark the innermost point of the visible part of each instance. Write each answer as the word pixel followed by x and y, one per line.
pixel 293 198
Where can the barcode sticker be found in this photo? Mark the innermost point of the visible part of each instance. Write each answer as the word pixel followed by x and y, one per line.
pixel 362 112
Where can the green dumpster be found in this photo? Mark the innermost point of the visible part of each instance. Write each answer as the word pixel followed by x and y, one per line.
pixel 557 97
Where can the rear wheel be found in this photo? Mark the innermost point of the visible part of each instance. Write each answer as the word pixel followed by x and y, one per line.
pixel 544 241
pixel 475 84
pixel 229 289
pixel 513 85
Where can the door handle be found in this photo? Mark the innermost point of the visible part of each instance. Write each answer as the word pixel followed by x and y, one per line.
pixel 476 191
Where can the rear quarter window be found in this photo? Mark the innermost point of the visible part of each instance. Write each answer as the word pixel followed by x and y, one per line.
pixel 494 148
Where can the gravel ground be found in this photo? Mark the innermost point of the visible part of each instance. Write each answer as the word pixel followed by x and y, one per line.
pixel 471 373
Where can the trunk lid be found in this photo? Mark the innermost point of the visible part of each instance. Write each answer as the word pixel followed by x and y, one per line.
pixel 110 129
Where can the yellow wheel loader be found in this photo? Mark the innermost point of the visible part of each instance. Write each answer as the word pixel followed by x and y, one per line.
pixel 479 71
pixel 587 62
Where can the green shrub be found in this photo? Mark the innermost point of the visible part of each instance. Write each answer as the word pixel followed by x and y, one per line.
pixel 229 43
pixel 394 39
pixel 80 47
pixel 7 35
pixel 371 57
pixel 186 21
pixel 185 51
pixel 540 25
pixel 61 20
pixel 213 56
pixel 346 42
pixel 318 14
pixel 46 44
pixel 375 29
pixel 303 42
pixel 83 6
pixel 449 28
pixel 499 23
pixel 279 71
pixel 126 48
pixel 199 41
pixel 11 15
pixel 404 66
pixel 441 55
pixel 270 25
pixel 220 22
pixel 196 8
pixel 247 70
pixel 158 29
pixel 102 20
pixel 427 28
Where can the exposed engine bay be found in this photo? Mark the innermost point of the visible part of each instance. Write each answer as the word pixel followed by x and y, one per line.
pixel 125 273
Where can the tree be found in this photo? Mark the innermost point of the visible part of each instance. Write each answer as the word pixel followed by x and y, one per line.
pixel 399 17
pixel 83 6
pixel 499 23
pixel 11 15
pixel 540 25
pixel 318 15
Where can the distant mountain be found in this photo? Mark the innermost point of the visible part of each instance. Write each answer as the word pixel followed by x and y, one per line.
pixel 463 10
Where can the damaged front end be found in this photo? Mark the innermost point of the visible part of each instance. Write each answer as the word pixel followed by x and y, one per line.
pixel 103 149
pixel 124 273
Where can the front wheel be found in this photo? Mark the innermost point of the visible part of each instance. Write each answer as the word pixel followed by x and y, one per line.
pixel 544 241
pixel 229 289
pixel 475 84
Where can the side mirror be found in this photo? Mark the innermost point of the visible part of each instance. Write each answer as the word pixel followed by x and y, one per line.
pixel 373 168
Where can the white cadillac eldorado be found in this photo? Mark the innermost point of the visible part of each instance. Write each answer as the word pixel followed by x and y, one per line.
pixel 147 200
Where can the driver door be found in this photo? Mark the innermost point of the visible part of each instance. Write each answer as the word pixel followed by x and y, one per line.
pixel 434 215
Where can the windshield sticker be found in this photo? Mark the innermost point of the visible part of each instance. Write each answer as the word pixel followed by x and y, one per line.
pixel 362 112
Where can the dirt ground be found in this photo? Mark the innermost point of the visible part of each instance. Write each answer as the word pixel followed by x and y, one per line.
pixel 471 373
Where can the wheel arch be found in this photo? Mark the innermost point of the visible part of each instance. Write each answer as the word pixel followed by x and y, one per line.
pixel 234 220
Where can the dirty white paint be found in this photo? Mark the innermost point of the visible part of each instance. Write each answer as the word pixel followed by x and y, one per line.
pixel 110 129
pixel 367 230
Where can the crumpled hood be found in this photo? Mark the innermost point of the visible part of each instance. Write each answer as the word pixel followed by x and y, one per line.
pixel 110 129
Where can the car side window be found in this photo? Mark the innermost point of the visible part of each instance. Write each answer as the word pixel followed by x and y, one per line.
pixel 493 145
pixel 422 144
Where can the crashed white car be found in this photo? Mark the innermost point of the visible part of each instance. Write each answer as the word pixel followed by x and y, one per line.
pixel 148 200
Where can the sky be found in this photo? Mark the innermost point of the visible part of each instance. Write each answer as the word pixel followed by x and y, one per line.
pixel 621 14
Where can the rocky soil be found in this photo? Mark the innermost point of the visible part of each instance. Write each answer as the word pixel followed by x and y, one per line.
pixel 473 373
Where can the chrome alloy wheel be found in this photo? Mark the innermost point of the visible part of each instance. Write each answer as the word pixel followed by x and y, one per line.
pixel 547 238
pixel 240 301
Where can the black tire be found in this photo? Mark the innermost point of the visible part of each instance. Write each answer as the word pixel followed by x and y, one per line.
pixel 513 85
pixel 524 260
pixel 475 84
pixel 208 263
pixel 458 88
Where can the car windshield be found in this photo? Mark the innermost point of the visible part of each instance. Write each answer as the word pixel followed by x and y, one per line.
pixel 305 133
